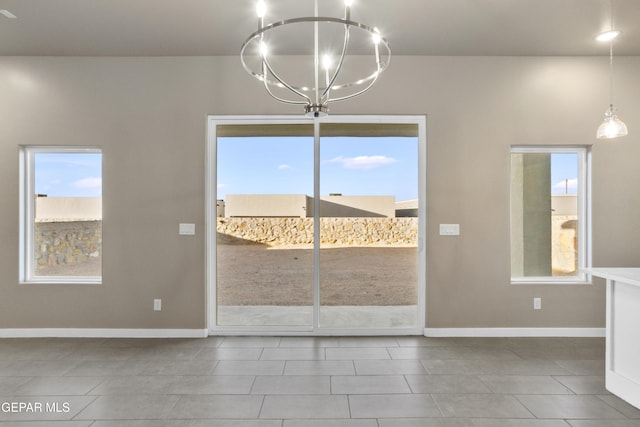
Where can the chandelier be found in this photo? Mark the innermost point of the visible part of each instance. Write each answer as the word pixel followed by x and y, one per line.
pixel 332 39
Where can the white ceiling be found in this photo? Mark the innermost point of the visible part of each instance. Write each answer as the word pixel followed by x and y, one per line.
pixel 218 27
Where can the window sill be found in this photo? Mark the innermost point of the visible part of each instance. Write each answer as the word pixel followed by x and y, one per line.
pixel 551 282
pixel 63 281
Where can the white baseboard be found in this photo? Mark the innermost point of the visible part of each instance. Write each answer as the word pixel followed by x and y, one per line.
pixel 101 333
pixel 514 332
pixel 203 333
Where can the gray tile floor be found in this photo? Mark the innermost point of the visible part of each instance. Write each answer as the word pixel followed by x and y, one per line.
pixel 308 381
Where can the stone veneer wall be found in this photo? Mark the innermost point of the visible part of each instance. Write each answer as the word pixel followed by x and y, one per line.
pixel 564 239
pixel 334 231
pixel 69 242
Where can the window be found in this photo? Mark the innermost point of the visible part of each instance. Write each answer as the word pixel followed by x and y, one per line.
pixel 61 215
pixel 549 214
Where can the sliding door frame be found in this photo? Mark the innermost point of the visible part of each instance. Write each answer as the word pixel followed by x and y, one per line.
pixel 211 241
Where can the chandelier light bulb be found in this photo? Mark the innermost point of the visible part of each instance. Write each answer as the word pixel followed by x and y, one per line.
pixel 607 36
pixel 264 50
pixel 348 3
pixel 376 37
pixel 326 62
pixel 261 8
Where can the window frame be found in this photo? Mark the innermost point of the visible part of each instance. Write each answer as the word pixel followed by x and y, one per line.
pixel 584 233
pixel 27 216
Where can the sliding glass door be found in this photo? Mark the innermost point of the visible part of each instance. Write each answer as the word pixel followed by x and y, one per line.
pixel 316 235
pixel 368 229
pixel 264 231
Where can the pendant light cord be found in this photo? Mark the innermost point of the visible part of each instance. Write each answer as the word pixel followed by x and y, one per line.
pixel 611 58
pixel 611 74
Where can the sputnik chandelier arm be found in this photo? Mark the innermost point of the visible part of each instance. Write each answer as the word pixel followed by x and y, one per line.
pixel 266 70
pixel 327 63
pixel 256 60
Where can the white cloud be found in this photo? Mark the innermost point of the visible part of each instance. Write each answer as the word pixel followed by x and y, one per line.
pixel 363 162
pixel 88 183
pixel 569 184
pixel 283 167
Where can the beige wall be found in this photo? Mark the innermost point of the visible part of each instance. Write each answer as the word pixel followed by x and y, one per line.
pixel 149 117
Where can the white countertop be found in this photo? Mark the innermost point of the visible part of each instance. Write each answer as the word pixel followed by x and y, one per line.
pixel 627 275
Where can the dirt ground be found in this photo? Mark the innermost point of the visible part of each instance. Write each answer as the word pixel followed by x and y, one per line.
pixel 254 274
pixel 258 275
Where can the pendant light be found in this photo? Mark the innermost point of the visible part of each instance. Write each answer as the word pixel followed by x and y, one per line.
pixel 612 127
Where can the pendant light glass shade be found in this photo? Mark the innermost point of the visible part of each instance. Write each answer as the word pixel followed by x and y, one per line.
pixel 612 126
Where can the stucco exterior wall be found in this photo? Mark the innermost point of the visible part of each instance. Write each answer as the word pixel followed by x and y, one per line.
pixel 301 206
pixel 68 209
pixel 268 205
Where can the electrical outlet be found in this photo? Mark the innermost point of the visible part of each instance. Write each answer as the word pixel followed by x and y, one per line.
pixel 537 303
pixel 157 305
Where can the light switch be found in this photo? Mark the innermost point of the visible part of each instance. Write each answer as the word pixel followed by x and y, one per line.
pixel 187 229
pixel 449 229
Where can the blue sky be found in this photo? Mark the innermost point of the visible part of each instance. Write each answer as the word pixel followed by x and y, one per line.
pixel 564 173
pixel 350 166
pixel 284 165
pixel 68 174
